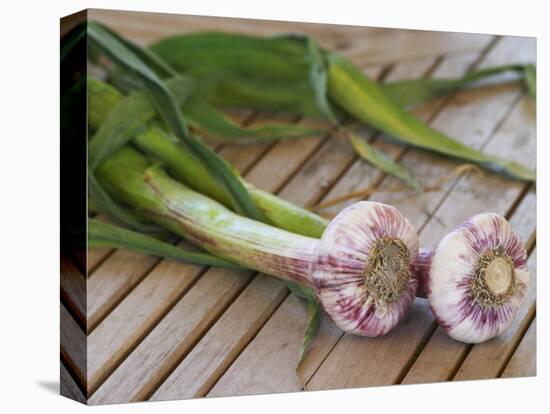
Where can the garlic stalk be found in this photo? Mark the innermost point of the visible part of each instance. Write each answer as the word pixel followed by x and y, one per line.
pixel 360 269
pixel 475 279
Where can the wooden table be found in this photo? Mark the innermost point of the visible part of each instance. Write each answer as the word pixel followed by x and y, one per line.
pixel 158 329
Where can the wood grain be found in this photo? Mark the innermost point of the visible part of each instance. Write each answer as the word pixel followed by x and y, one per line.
pixel 136 315
pixel 524 360
pixel 172 338
pixel 290 321
pixel 198 372
pixel 68 386
pixel 73 290
pixel 113 279
pixel 73 345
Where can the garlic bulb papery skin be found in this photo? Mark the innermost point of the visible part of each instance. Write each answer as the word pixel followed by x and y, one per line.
pixel 477 278
pixel 363 272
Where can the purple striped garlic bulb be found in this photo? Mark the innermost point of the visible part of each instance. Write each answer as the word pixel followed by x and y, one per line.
pixel 363 270
pixel 476 278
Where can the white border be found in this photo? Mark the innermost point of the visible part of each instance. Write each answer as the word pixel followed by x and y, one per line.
pixel 29 174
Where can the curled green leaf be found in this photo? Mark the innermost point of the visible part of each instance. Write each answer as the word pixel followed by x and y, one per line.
pixel 205 117
pixel 234 70
pixel 415 91
pixel 313 319
pixel 367 102
pixel 145 54
pixel 382 161
pixel 313 312
pixel 127 119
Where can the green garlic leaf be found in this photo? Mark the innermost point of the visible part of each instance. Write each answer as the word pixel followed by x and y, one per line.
pixel 318 76
pixel 127 119
pixel 366 101
pixel 313 311
pixel 203 116
pixel 102 234
pixel 382 161
pixel 169 111
pixel 416 91
pixel 313 319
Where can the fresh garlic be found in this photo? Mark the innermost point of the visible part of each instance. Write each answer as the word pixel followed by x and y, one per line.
pixel 475 279
pixel 360 269
pixel 363 275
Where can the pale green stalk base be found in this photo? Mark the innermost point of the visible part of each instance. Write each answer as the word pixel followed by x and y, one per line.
pixel 128 177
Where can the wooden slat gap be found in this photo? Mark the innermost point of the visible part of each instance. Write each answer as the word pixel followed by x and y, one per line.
pixel 66 362
pixel 269 147
pixel 206 390
pixel 166 374
pixel 526 189
pixel 515 346
pixel 71 257
pixel 130 349
pixel 65 296
pixel 140 279
pixel 425 339
pixel 69 386
pixel 277 190
pixel 198 338
pixel 99 262
pixel 460 178
pixel 71 309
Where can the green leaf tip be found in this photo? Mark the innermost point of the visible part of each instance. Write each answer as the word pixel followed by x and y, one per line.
pixel 381 161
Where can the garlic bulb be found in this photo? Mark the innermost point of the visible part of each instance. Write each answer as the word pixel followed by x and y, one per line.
pixel 476 278
pixel 363 273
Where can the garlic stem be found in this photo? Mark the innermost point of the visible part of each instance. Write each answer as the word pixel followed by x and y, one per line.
pixel 215 228
pixel 360 269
